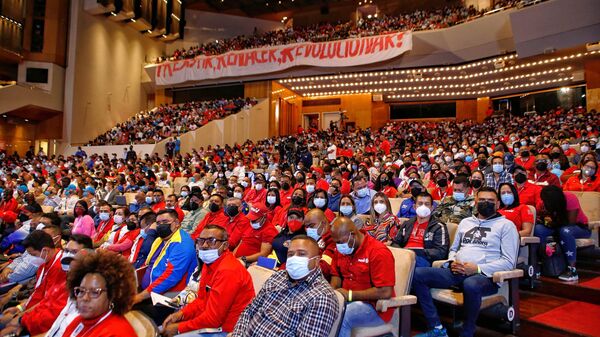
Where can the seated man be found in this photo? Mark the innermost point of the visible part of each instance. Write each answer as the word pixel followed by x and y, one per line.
pixel 36 314
pixel 424 234
pixel 484 244
pixel 225 290
pixel 215 216
pixel 171 260
pixel 293 302
pixel 317 227
pixel 148 234
pixel 196 213
pixel 258 238
pixel 459 205
pixel 237 223
pixel 407 207
pixel 363 271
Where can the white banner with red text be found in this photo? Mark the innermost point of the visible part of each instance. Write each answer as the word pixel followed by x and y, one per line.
pixel 341 53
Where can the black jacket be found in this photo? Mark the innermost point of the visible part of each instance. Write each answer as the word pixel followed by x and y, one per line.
pixel 436 239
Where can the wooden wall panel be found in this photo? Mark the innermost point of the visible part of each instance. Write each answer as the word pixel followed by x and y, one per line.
pixel 483 103
pixel 257 89
pixel 16 137
pixel 380 114
pixel 466 109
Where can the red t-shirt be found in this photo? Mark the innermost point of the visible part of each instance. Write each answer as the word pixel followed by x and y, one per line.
pixel 252 239
pixel 416 239
pixel 371 265
pixel 576 184
pixel 518 215
pixel 545 179
pixel 111 326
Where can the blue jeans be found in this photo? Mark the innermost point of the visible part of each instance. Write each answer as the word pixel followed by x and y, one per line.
pixel 421 258
pixel 358 314
pixel 566 235
pixel 474 288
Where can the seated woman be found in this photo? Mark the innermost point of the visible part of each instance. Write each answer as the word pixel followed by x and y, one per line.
pixel 320 200
pixel 103 285
pixel 477 181
pixel 382 225
pixel 513 210
pixel 293 227
pixel 348 209
pixel 385 184
pixel 273 203
pixel 560 214
pixel 587 179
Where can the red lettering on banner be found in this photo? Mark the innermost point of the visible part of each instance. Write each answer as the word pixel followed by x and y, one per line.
pixel 308 50
pixel 287 54
pixel 253 57
pixel 377 45
pixel 221 62
pixel 316 50
pixel 350 51
pixel 338 48
pixel 263 56
pixel 207 63
pixel 330 50
pixel 232 60
pixel 362 46
pixel 164 68
pixel 389 42
pixel 399 37
pixel 299 50
pixel 369 43
pixel 272 56
pixel 179 65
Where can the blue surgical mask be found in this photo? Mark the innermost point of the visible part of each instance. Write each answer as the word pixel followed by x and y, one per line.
pixel 363 192
pixel 143 233
pixel 346 210
pixel 507 199
pixel 104 216
pixel 498 168
pixel 208 256
pixel 344 248
pixel 319 202
pixel 184 193
pixel 313 233
pixel 458 196
pixel 149 200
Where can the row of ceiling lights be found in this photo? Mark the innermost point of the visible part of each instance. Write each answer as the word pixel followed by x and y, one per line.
pixel 358 76
pixel 516 77
pixel 469 91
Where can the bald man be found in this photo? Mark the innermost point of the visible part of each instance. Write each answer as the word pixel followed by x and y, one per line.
pixel 310 304
pixel 317 227
pixel 363 271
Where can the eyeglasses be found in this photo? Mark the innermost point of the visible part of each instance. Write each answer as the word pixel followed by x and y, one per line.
pixel 211 241
pixel 164 223
pixel 80 292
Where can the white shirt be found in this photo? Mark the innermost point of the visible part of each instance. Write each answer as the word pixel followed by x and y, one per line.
pixel 66 316
pixel 332 155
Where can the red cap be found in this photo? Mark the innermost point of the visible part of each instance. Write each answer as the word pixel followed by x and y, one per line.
pixel 257 211
pixel 318 169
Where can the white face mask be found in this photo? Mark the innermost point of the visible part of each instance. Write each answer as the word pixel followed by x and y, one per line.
pixel 258 187
pixel 271 199
pixel 297 267
pixel 38 260
pixel 237 195
pixel 208 256
pixel 423 211
pixel 255 225
pixel 346 210
pixel 310 188
pixel 117 218
pixel 380 208
pixel 319 202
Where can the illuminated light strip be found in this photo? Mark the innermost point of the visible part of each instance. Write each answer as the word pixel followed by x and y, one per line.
pixel 415 71
pixel 379 90
pixel 461 85
pixel 175 17
pixel 10 20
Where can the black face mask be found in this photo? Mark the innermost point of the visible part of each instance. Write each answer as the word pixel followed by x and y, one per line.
pixel 193 206
pixel 541 166
pixel 213 207
pixel 298 201
pixel 554 155
pixel 525 154
pixel 23 217
pixel 384 182
pixel 164 230
pixel 482 162
pixel 442 182
pixel 407 164
pixel 486 208
pixel 285 186
pixel 520 178
pixel 300 179
pixel 415 191
pixel 131 225
pixel 476 183
pixel 232 211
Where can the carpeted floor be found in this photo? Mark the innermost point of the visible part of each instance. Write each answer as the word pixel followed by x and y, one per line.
pixel 578 317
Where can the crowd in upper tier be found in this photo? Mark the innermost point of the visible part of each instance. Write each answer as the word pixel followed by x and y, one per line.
pixel 172 120
pixel 367 26
pixel 316 204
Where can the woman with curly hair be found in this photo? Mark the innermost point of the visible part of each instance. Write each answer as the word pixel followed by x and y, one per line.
pixel 103 286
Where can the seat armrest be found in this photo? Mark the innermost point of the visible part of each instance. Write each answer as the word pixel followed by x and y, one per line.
pixel 395 302
pixel 439 263
pixel 501 276
pixel 529 240
pixel 593 225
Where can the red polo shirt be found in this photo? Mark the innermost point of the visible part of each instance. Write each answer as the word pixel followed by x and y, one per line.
pixel 527 164
pixel 327 250
pixel 529 193
pixel 225 290
pixel 253 196
pixel 576 184
pixel 285 197
pixel 159 206
pixel 371 265
pixel 212 218
pixel 252 239
pixel 545 179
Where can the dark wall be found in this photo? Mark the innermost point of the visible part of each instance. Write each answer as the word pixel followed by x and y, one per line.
pixel 208 93
pixel 425 110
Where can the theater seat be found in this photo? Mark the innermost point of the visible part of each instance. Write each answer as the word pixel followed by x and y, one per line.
pixel 167 191
pixel 590 202
pixel 47 209
pixel 335 328
pixel 129 197
pixel 527 259
pixel 142 324
pixel 399 325
pixel 451 227
pixel 395 204
pixel 178 183
pixel 259 276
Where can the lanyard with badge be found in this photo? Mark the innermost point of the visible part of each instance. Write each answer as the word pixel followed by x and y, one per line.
pixel 42 276
pixel 80 327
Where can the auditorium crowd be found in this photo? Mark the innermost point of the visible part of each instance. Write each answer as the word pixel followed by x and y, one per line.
pixel 85 238
pixel 171 120
pixel 326 31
